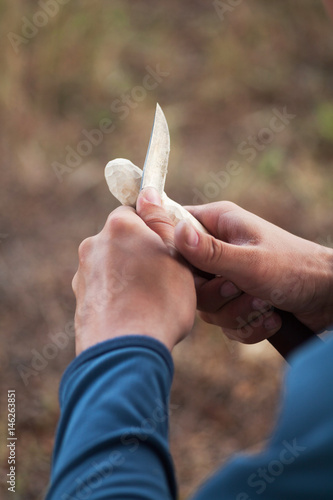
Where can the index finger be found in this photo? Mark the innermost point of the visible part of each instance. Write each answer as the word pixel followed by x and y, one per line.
pixel 226 221
pixel 149 208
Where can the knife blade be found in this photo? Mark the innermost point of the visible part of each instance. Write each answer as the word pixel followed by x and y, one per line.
pixel 156 163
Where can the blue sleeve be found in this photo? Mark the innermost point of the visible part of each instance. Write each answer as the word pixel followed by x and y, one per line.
pixel 297 463
pixel 112 438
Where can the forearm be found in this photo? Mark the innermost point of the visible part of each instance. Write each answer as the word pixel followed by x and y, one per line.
pixel 112 439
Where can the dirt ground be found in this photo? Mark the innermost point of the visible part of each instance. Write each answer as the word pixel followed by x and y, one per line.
pixel 220 78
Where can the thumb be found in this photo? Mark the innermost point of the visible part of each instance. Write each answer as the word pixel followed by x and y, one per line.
pixel 149 208
pixel 209 254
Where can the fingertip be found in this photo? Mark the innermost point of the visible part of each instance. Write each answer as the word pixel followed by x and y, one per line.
pixel 149 196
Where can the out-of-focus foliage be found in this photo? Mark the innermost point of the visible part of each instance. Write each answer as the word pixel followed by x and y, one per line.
pixel 222 80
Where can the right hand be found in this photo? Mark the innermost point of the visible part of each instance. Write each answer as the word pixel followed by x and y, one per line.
pixel 253 259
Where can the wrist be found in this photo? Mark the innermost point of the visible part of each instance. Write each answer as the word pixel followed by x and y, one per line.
pixel 318 314
pixel 95 332
pixel 328 300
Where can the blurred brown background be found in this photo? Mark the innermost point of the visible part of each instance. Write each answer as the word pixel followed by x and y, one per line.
pixel 71 67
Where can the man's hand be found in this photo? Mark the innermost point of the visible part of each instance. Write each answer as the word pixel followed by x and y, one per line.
pixel 132 281
pixel 258 265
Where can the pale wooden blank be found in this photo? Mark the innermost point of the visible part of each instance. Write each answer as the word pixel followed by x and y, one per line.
pixel 124 179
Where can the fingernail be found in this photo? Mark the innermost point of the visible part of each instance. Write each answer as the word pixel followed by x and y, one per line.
pixel 228 289
pixel 260 305
pixel 272 323
pixel 191 236
pixel 151 195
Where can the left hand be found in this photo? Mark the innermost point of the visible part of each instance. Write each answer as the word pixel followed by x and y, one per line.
pixel 257 265
pixel 131 280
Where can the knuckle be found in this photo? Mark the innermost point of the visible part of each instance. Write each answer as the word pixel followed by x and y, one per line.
pixel 74 282
pixel 228 206
pixel 214 251
pixel 228 215
pixel 114 223
pixel 156 216
pixel 226 210
pixel 157 224
pixel 117 223
pixel 85 249
pixel 161 224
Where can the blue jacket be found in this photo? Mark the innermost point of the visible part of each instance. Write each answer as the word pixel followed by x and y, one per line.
pixel 112 438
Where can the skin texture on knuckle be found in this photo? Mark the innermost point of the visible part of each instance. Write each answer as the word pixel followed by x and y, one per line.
pixel 213 253
pixel 119 223
pixel 85 250
pixel 218 207
pixel 158 221
pixel 213 215
pixel 224 207
pixel 154 220
pixel 153 215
